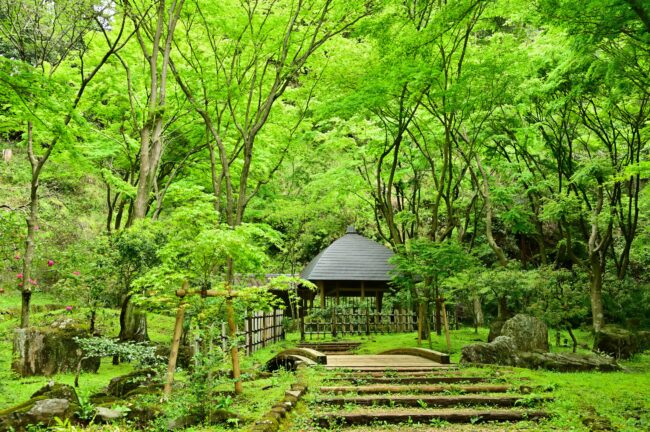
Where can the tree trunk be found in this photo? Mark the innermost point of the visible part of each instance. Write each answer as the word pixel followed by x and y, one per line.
pixel 133 323
pixel 503 313
pixel 479 319
pixel 596 294
pixel 25 283
pixel 234 353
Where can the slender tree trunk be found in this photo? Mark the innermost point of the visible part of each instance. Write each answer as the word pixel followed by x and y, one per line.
pixel 597 247
pixel 596 294
pixel 479 319
pixel 32 222
pixel 234 352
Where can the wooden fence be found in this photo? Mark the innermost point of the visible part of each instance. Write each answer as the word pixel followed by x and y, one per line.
pixel 320 323
pixel 260 329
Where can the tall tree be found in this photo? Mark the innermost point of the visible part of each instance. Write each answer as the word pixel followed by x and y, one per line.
pixel 45 36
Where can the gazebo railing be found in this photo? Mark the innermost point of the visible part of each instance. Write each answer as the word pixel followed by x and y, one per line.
pixel 341 321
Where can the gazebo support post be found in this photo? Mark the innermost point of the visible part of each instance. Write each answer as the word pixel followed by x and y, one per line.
pixel 321 286
pixel 302 312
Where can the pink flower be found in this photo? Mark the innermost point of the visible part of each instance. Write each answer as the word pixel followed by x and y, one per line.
pixel 17 257
pixel 76 272
pixel 20 284
pixel 36 228
pixel 19 275
pixel 50 263
pixel 33 281
pixel 68 308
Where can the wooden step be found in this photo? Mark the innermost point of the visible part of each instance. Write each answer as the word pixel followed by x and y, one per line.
pixel 374 389
pixel 411 380
pixel 445 371
pixel 391 369
pixel 393 416
pixel 427 401
pixel 332 347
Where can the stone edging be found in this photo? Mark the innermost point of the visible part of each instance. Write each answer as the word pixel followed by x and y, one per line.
pixel 271 420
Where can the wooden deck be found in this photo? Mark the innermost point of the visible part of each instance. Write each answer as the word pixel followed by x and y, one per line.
pixel 380 362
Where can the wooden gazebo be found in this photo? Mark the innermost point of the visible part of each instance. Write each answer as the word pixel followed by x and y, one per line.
pixel 352 266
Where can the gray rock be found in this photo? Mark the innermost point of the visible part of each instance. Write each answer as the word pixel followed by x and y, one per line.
pixel 567 362
pixel 34 411
pixel 46 409
pixel 107 415
pixel 500 351
pixel 528 333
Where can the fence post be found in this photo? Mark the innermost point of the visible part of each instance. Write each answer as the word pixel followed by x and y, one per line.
pixel 302 312
pixel 334 321
pixel 367 322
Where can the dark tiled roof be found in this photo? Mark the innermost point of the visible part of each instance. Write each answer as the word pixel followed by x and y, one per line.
pixel 351 257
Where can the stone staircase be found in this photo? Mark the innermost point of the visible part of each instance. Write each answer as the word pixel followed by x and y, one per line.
pixel 349 399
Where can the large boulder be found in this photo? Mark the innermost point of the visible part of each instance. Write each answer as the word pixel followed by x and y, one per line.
pixel 501 351
pixel 50 402
pixel 528 333
pixel 567 362
pixel 619 342
pixel 50 350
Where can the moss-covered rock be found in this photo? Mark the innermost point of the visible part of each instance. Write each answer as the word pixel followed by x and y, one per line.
pixel 38 410
pixel 54 390
pixel 50 350
pixel 621 343
pixel 122 385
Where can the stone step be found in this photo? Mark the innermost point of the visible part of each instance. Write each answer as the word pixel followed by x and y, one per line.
pixel 411 380
pixel 423 401
pixel 393 416
pixel 375 389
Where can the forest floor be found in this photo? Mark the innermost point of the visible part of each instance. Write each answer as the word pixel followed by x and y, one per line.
pixel 621 399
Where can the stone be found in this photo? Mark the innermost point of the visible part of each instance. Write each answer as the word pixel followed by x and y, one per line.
pixel 122 385
pixel 54 390
pixel 619 342
pixel 567 362
pixel 107 415
pixel 51 350
pixel 222 416
pixel 495 329
pixel 294 393
pixel 141 415
pixel 183 422
pixel 500 351
pixel 34 411
pixel 529 334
